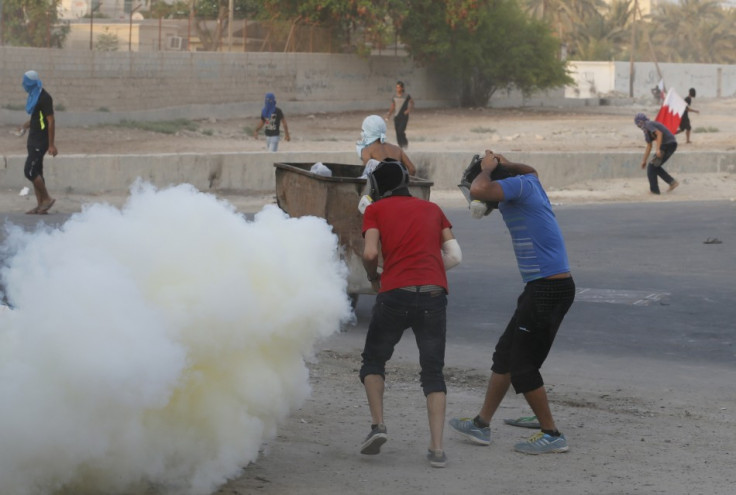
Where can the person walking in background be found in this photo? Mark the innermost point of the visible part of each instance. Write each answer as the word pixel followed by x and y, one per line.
pixel 403 104
pixel 685 120
pixel 417 244
pixel 373 145
pixel 656 134
pixel 548 294
pixel 272 117
pixel 41 129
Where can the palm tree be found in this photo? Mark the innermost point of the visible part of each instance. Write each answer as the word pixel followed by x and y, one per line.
pixel 696 31
pixel 605 36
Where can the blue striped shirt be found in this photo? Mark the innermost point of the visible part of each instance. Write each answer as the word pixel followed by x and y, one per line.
pixel 536 236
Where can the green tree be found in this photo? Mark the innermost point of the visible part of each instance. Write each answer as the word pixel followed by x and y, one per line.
pixel 217 10
pixel 107 42
pixel 605 36
pixel 33 23
pixel 697 31
pixel 344 17
pixel 490 46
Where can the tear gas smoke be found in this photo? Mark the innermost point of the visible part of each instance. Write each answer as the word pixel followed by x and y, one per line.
pixel 158 345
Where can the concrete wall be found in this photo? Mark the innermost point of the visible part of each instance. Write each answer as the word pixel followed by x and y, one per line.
pixel 87 80
pixel 596 79
pixel 254 171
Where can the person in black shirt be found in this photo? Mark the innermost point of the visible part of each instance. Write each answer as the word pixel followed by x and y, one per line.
pixel 272 117
pixel 685 121
pixel 41 129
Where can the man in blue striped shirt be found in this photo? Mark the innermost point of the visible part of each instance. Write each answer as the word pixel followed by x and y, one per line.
pixel 548 294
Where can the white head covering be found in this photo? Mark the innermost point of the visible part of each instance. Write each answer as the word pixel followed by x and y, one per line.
pixel 374 129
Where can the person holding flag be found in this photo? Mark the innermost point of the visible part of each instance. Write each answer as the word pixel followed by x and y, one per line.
pixel 656 133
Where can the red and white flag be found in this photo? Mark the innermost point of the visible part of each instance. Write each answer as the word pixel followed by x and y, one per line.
pixel 671 112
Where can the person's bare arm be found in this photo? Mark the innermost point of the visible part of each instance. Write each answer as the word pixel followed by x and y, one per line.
pixel 646 154
pixel 408 163
pixel 515 168
pixel 258 128
pixel 286 129
pixel 483 188
pixel 410 106
pixel 391 109
pixel 370 257
pixel 52 135
pixel 659 135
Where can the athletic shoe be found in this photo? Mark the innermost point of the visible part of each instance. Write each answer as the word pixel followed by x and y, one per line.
pixel 542 443
pixel 377 437
pixel 466 427
pixel 436 458
pixel 524 422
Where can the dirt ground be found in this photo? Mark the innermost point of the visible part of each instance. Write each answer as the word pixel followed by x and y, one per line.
pixel 635 427
pixel 508 130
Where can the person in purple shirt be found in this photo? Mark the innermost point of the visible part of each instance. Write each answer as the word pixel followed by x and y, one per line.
pixel 548 295
pixel 655 133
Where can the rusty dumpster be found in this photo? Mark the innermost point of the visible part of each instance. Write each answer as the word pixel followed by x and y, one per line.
pixel 300 192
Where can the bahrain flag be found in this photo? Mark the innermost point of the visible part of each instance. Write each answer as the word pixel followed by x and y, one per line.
pixel 671 112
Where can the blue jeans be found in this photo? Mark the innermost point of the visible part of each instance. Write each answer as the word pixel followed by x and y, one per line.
pixel 272 143
pixel 394 312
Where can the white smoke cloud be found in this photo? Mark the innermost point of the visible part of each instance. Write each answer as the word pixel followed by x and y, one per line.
pixel 160 344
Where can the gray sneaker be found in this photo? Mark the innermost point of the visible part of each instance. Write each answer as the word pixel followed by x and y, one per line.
pixel 467 428
pixel 436 458
pixel 542 443
pixel 377 437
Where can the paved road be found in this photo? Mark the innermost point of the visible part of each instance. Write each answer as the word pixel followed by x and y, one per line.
pixel 648 286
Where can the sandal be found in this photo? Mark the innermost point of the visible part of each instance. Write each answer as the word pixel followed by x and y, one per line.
pixel 47 207
pixel 524 422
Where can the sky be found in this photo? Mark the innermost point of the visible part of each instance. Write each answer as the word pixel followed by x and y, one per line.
pixel 159 344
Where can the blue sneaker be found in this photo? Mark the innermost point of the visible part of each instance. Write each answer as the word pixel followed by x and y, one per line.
pixel 542 443
pixel 467 428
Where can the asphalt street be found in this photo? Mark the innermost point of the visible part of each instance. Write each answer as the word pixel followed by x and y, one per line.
pixel 648 283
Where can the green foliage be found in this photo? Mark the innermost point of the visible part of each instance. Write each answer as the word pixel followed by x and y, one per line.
pixel 496 47
pixel 164 126
pixel 698 31
pixel 32 23
pixel 107 42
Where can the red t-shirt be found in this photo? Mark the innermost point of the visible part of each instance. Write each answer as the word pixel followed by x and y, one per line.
pixel 411 241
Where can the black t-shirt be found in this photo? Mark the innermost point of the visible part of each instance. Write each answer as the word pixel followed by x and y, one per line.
pixel 39 131
pixel 273 124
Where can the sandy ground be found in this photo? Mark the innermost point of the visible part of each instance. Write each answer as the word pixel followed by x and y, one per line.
pixel 635 427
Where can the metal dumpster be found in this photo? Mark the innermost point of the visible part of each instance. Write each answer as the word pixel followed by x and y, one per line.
pixel 300 192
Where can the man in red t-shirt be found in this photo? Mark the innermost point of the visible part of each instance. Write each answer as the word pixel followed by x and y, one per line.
pixel 417 244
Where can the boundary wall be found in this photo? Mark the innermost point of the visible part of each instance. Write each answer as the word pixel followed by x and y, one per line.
pixel 253 172
pixel 599 79
pixel 95 81
pixel 93 87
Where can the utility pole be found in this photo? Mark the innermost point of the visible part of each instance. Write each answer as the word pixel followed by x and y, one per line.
pixel 632 49
pixel 230 10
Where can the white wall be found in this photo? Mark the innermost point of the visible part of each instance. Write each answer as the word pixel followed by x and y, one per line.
pixel 611 79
